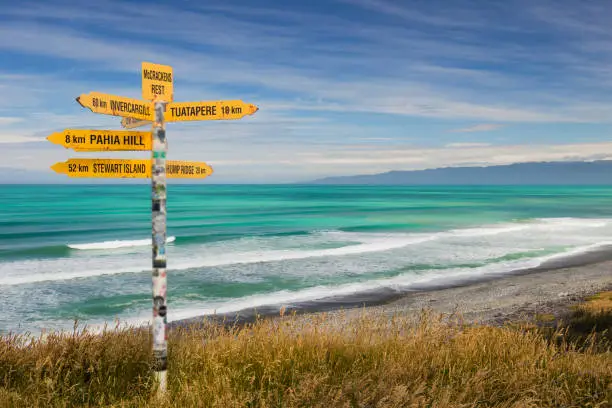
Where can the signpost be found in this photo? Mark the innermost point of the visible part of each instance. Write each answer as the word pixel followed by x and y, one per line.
pixel 158 215
pixel 157 108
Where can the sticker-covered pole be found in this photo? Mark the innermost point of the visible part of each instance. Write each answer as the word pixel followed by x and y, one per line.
pixel 158 212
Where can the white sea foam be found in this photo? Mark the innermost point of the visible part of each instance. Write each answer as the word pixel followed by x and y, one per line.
pixel 401 282
pixel 309 256
pixel 567 222
pixel 52 270
pixel 457 245
pixel 116 244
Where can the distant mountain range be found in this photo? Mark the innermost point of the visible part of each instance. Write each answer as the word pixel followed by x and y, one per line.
pixel 542 173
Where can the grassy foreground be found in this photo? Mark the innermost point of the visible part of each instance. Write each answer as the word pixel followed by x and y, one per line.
pixel 430 361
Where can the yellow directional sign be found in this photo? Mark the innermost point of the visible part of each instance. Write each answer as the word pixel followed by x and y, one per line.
pixel 128 168
pixel 187 169
pixel 212 110
pixel 157 82
pixel 131 123
pixel 117 105
pixel 122 168
pixel 102 140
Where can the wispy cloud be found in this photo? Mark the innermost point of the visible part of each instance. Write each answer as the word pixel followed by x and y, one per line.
pixel 271 59
pixel 467 144
pixel 415 158
pixel 11 138
pixel 484 127
pixel 334 81
pixel 376 139
pixel 9 120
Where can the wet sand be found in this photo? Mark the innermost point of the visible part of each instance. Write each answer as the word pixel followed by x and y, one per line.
pixel 495 299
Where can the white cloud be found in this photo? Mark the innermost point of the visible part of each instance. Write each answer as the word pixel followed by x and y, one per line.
pixel 333 92
pixel 9 120
pixel 269 57
pixel 284 163
pixel 485 127
pixel 403 158
pixel 8 138
pixel 377 139
pixel 462 145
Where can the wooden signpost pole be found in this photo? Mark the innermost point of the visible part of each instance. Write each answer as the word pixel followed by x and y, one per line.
pixel 158 212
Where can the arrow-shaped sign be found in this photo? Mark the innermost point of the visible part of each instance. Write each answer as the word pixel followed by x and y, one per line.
pixel 131 123
pixel 211 110
pixel 187 169
pixel 82 140
pixel 128 168
pixel 117 105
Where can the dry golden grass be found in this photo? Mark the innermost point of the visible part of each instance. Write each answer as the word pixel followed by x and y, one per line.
pixel 600 303
pixel 311 362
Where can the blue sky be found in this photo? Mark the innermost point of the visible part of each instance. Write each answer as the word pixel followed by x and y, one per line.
pixel 344 86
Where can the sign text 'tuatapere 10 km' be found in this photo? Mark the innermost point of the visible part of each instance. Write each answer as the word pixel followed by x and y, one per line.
pixel 219 110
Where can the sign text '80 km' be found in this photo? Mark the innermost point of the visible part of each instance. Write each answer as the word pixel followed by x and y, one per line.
pixel 205 110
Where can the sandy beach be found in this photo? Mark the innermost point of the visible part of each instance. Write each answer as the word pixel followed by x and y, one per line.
pixel 550 288
pixel 517 296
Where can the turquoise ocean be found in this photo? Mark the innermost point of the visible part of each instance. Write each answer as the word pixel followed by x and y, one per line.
pixel 84 251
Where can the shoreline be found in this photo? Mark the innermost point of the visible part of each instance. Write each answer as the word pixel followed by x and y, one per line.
pixel 549 288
